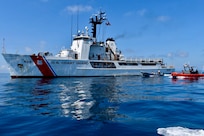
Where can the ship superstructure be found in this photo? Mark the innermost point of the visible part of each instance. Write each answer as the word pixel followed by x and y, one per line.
pixel 86 57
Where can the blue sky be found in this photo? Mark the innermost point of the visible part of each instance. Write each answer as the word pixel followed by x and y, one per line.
pixel 168 29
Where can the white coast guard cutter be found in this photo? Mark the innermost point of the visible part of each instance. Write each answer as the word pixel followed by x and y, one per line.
pixel 87 57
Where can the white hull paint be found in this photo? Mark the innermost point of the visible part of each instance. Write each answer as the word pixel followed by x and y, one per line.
pixel 24 66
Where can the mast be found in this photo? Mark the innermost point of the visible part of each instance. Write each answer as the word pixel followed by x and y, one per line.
pixel 3 46
pixel 97 20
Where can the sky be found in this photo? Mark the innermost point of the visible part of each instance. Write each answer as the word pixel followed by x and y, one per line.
pixel 169 29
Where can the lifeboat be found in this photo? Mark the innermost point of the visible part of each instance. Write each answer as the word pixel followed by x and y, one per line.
pixel 176 75
pixel 189 72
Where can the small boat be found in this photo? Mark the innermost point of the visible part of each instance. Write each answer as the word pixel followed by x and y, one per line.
pixel 189 72
pixel 152 74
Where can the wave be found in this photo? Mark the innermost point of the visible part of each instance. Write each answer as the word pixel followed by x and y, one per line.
pixel 180 131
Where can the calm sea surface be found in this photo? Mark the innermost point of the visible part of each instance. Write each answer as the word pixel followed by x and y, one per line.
pixel 98 106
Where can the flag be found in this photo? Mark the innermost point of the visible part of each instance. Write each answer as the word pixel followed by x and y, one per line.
pixel 108 23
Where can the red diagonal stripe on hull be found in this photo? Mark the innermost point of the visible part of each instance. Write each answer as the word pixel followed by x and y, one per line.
pixel 42 66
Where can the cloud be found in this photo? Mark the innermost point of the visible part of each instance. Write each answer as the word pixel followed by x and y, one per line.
pixel 28 49
pixel 142 12
pixel 4 68
pixel 160 18
pixel 180 54
pixel 78 8
pixel 170 55
pixel 130 13
pixel 163 18
pixel 42 44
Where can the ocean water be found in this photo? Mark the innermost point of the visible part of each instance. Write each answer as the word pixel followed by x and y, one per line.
pixel 98 106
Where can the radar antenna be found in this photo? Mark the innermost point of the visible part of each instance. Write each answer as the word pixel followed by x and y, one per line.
pixel 97 20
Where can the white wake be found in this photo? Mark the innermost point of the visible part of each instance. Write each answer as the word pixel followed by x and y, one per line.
pixel 180 131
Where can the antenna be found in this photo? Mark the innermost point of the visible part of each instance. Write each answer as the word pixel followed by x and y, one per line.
pixel 87 30
pixel 77 19
pixel 97 20
pixel 71 29
pixel 3 46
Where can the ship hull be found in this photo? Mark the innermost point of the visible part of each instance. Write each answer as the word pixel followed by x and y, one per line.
pixel 51 66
